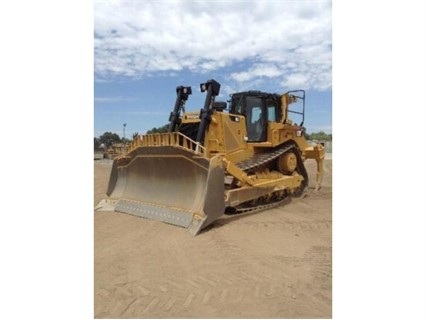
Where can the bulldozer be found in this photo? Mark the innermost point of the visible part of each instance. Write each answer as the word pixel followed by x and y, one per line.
pixel 233 157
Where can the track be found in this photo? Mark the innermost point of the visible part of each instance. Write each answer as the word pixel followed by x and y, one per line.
pixel 261 159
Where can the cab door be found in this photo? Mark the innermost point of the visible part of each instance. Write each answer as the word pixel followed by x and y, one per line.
pixel 256 119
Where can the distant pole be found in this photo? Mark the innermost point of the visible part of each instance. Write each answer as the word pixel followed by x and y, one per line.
pixel 124 135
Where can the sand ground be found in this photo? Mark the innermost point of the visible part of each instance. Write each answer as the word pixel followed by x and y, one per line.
pixel 271 264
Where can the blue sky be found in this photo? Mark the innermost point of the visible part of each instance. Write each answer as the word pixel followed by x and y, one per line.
pixel 143 50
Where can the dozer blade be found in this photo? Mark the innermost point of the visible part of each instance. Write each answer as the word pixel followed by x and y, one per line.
pixel 168 184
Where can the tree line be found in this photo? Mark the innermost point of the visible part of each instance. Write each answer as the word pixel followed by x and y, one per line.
pixel 107 139
pixel 321 136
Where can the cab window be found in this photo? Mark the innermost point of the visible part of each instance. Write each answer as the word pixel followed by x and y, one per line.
pixel 254 118
pixel 272 114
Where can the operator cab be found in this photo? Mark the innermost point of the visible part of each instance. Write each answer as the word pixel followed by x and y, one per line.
pixel 258 108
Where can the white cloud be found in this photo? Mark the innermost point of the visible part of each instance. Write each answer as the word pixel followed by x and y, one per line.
pixel 268 70
pixel 289 41
pixel 296 80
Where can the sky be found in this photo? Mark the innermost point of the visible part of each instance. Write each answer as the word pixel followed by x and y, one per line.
pixel 144 50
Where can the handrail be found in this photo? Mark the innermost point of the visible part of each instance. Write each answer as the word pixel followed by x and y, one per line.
pixel 174 139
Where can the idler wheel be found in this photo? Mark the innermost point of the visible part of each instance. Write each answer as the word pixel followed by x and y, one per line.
pixel 287 163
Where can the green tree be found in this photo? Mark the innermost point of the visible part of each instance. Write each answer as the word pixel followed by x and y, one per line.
pixel 109 138
pixel 322 136
pixel 96 143
pixel 161 129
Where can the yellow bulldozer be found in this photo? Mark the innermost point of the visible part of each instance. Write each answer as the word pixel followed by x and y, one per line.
pixel 225 159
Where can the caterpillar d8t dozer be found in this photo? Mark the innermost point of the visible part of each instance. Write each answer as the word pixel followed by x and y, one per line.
pixel 213 162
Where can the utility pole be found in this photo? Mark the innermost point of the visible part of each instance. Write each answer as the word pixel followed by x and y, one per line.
pixel 124 136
